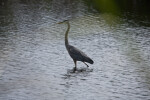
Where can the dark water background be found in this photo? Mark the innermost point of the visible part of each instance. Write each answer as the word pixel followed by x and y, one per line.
pixel 34 64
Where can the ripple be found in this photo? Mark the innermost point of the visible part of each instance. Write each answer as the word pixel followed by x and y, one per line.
pixel 35 64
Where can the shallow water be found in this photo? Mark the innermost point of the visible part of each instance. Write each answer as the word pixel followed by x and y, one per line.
pixel 34 63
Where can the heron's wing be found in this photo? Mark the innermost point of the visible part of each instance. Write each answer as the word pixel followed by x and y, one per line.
pixel 77 54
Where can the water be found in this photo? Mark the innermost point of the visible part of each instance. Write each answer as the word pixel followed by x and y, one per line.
pixel 34 64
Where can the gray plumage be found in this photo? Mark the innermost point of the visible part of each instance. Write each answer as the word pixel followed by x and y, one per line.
pixel 76 54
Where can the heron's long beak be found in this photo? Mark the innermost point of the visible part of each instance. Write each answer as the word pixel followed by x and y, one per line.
pixel 59 22
pixel 62 22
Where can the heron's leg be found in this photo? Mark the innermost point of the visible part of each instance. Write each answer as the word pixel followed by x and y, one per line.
pixel 75 68
pixel 86 64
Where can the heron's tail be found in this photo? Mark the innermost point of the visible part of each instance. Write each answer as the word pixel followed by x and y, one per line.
pixel 89 61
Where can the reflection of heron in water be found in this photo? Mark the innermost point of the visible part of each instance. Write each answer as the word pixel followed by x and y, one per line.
pixel 75 53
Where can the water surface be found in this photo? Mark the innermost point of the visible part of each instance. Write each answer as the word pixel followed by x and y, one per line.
pixel 34 63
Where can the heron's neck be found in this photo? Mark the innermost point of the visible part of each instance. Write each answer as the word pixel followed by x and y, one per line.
pixel 66 35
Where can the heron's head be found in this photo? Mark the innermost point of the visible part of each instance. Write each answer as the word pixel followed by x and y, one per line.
pixel 63 22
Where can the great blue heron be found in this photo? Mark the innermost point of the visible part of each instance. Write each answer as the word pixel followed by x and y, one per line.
pixel 76 54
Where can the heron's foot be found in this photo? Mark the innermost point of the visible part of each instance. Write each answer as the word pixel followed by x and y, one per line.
pixel 74 69
pixel 87 65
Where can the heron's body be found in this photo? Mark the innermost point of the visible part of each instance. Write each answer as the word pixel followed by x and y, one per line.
pixel 76 54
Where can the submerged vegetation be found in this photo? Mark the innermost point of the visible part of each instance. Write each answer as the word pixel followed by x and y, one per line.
pixel 115 6
pixel 137 10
